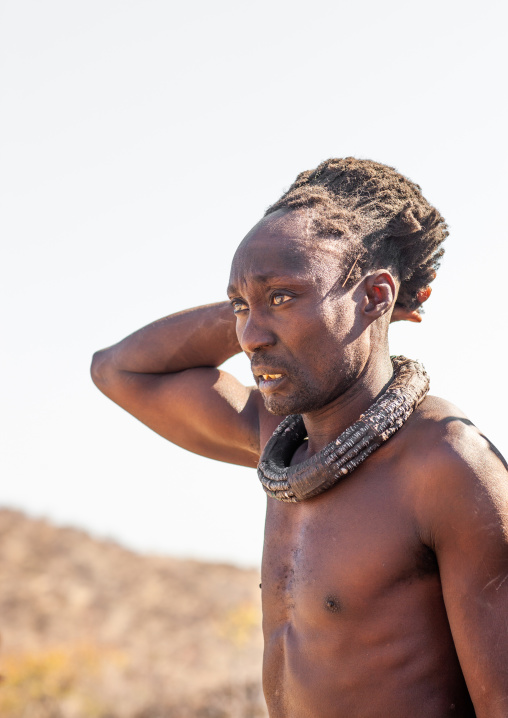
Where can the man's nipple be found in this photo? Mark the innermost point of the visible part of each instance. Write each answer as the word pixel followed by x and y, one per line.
pixel 332 604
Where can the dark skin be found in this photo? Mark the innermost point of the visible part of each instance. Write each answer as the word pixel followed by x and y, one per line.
pixel 387 595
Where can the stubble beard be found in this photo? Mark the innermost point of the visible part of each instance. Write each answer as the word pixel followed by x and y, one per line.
pixel 306 398
pixel 301 403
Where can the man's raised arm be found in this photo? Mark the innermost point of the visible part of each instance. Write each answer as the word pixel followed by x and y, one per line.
pixel 166 375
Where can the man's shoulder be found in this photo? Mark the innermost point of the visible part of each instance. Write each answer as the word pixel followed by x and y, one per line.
pixel 456 469
pixel 446 436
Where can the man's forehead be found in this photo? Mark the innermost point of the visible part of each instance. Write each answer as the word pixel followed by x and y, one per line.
pixel 283 242
pixel 291 223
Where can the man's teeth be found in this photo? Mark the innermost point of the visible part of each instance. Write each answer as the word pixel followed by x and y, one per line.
pixel 267 377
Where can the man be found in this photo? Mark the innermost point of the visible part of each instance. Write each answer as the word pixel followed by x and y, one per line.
pixel 385 587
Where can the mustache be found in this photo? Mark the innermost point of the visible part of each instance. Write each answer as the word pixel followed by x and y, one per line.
pixel 266 362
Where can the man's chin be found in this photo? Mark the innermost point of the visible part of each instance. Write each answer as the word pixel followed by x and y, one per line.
pixel 276 405
pixel 277 410
pixel 284 406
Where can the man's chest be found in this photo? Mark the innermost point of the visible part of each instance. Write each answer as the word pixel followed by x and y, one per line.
pixel 344 553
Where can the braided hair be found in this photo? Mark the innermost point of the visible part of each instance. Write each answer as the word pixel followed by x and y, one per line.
pixel 381 214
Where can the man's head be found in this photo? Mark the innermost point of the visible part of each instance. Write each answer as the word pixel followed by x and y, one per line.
pixel 314 283
pixel 382 216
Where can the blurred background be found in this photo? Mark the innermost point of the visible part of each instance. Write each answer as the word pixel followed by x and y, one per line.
pixel 139 143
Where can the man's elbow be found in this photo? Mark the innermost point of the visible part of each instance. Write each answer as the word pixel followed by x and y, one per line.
pixel 101 369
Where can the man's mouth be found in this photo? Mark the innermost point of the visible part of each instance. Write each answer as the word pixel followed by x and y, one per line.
pixel 269 381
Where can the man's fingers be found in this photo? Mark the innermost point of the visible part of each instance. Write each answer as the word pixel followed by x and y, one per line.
pixel 424 294
pixel 400 313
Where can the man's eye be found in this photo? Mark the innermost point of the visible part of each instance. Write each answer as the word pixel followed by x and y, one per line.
pixel 280 299
pixel 238 306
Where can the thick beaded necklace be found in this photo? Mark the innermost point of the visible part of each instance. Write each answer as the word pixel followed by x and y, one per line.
pixel 340 457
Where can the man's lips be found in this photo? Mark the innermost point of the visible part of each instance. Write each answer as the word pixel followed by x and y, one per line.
pixel 267 373
pixel 268 378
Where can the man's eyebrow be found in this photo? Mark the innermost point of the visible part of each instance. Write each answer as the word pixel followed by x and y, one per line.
pixel 267 277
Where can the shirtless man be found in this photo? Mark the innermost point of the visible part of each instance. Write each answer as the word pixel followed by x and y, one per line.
pixel 386 595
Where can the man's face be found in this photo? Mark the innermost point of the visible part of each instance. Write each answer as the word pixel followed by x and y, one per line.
pixel 296 324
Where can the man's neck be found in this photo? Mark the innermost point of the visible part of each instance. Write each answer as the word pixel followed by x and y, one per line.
pixel 325 424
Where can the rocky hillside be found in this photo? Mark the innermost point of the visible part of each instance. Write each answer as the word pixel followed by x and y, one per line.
pixel 91 629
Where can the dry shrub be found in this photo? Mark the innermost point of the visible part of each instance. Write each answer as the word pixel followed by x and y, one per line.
pixel 54 683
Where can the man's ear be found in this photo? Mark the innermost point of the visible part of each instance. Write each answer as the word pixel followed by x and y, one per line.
pixel 380 293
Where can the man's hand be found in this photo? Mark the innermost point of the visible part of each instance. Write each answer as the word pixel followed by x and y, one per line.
pixel 401 313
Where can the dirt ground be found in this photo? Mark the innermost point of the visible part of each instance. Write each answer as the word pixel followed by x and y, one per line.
pixel 92 630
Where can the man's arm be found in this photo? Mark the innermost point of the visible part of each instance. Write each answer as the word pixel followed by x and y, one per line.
pixel 466 505
pixel 166 375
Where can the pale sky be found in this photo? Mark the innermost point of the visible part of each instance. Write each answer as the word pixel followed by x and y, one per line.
pixel 141 140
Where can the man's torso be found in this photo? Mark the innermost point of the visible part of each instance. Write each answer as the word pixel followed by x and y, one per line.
pixel 354 618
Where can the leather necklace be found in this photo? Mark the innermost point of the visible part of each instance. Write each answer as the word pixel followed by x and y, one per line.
pixel 340 457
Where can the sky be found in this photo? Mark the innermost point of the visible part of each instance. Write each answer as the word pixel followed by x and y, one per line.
pixel 140 140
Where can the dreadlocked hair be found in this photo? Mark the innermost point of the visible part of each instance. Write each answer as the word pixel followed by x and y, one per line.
pixel 381 214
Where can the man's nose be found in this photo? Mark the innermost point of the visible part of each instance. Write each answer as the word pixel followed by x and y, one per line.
pixel 255 334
